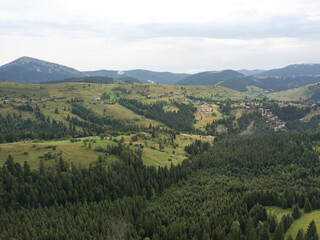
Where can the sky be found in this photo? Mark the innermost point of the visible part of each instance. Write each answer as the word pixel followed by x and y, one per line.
pixel 162 35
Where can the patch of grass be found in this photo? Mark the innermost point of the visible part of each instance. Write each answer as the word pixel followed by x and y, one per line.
pixel 295 94
pixel 278 212
pixel 170 108
pixel 76 153
pixel 302 222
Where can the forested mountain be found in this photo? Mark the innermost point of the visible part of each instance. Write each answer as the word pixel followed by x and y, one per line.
pixel 142 75
pixel 292 76
pixel 209 78
pixel 293 70
pixel 272 84
pixel 29 70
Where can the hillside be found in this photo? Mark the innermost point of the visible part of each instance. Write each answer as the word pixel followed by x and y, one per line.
pixel 29 70
pixel 142 75
pixel 209 78
pixel 304 93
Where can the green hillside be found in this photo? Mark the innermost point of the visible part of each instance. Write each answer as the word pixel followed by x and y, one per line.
pixel 304 93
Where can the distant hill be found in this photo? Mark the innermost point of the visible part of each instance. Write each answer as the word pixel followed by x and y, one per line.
pixel 272 84
pixel 103 73
pixel 209 78
pixel 94 80
pixel 293 70
pixel 250 72
pixel 29 70
pixel 142 75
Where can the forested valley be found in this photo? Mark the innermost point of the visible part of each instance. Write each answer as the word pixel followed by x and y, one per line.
pixel 157 166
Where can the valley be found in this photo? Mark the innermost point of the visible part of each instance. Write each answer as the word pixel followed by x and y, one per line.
pixel 160 161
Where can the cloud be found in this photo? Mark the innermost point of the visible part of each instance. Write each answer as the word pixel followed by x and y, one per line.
pixel 162 35
pixel 283 26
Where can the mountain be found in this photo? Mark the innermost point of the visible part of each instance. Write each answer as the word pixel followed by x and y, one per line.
pixel 209 78
pixel 293 70
pixel 29 70
pixel 142 75
pixel 250 72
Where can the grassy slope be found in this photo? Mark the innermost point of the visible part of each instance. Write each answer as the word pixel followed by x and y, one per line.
pixel 49 95
pixel 302 222
pixel 295 94
pixel 78 153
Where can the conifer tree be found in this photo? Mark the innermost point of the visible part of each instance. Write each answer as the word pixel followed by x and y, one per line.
pixel 296 212
pixel 307 206
pixel 289 237
pixel 312 231
pixel 278 234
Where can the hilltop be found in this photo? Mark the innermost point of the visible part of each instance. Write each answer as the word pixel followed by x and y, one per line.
pixel 209 78
pixel 29 70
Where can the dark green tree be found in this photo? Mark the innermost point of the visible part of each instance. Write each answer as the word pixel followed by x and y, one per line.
pixel 307 206
pixel 300 235
pixel 296 212
pixel 312 232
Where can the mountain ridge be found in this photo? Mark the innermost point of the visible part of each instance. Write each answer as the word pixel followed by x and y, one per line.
pixel 141 74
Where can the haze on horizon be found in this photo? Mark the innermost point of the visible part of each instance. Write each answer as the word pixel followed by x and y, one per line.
pixel 176 36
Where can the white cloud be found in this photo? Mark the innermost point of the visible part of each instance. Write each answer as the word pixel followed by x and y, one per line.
pixel 162 35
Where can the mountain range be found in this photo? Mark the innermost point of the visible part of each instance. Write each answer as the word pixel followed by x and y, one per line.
pixel 141 75
pixel 31 70
pixel 291 76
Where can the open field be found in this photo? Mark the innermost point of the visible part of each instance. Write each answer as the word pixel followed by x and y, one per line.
pixel 78 153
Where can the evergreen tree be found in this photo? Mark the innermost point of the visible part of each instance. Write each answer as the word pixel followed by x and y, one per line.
pixel 278 234
pixel 307 206
pixel 300 235
pixel 296 212
pixel 273 224
pixel 312 231
pixel 264 233
pixel 314 203
pixel 235 231
pixel 289 237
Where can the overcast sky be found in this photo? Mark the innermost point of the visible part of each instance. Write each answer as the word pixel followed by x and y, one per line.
pixel 162 35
